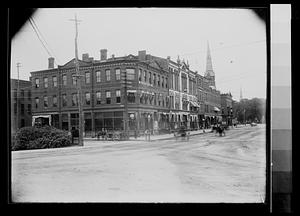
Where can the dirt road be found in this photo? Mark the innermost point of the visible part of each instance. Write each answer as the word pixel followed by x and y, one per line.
pixel 207 168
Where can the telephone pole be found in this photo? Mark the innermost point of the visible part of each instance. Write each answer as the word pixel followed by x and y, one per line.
pixel 17 98
pixel 78 83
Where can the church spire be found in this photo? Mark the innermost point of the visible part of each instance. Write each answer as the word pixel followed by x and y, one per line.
pixel 241 94
pixel 209 73
pixel 209 68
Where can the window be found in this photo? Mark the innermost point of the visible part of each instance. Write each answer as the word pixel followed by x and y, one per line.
pixel 140 74
pixel 145 76
pixel 108 97
pixel 54 101
pixel 64 99
pixel 87 77
pixel 150 80
pixel 118 74
pixel 64 77
pixel 15 93
pixel 28 108
pixel 29 94
pixel 130 73
pixel 46 82
pixel 166 82
pixel 98 97
pixel 154 79
pixel 74 79
pixel 98 76
pixel 162 81
pixel 22 93
pixel 74 99
pixel 37 101
pixel 87 98
pixel 131 97
pixel 37 82
pixel 22 108
pixel 54 80
pixel 107 74
pixel 22 122
pixel 118 96
pixel 45 101
pixel 158 80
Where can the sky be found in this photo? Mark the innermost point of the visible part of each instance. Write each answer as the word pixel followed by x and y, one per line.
pixel 237 40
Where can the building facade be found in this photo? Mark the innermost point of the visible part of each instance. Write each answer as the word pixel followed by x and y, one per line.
pixel 20 104
pixel 133 92
pixel 227 108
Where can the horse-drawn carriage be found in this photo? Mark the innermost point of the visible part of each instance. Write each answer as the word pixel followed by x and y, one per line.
pixel 183 133
pixel 220 128
pixel 112 135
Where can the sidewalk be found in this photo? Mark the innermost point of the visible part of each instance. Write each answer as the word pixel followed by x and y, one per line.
pixel 168 136
pixel 157 137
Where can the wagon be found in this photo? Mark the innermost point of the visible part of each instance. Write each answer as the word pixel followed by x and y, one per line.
pixel 183 133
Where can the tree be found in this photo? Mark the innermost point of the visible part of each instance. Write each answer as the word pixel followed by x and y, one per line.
pixel 249 110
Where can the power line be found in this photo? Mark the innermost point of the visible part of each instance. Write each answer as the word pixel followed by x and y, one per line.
pixel 42 36
pixel 37 34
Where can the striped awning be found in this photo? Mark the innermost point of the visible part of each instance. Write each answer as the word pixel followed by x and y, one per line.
pixel 217 109
pixel 194 104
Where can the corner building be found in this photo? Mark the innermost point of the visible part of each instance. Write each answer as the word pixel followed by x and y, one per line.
pixel 109 101
pixel 130 92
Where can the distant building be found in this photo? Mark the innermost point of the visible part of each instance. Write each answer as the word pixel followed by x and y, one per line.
pixel 227 108
pixel 20 104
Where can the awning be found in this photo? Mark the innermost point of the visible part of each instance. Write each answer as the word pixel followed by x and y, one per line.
pixel 194 104
pixel 216 109
pixel 131 91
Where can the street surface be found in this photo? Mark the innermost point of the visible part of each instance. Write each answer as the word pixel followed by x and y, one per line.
pixel 207 168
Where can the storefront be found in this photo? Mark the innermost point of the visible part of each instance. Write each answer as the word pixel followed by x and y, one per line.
pixel 109 121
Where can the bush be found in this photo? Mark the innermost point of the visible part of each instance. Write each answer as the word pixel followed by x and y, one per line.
pixel 40 137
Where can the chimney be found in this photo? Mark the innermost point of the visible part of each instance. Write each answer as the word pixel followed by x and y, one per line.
pixel 113 57
pixel 103 54
pixel 85 57
pixel 142 55
pixel 168 57
pixel 50 63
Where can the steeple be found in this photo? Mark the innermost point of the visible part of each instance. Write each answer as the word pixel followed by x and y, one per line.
pixel 209 68
pixel 241 95
pixel 209 73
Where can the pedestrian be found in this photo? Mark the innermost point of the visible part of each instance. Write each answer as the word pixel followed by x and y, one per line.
pixel 146 134
pixel 135 133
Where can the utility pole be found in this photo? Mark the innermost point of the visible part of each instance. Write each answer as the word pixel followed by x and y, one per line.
pixel 78 84
pixel 125 104
pixel 18 99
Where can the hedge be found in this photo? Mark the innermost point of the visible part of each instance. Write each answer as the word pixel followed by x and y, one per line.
pixel 39 138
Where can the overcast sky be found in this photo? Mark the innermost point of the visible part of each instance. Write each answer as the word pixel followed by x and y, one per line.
pixel 237 39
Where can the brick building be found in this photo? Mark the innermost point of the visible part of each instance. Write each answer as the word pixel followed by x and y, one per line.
pixel 137 92
pixel 55 97
pixel 227 108
pixel 20 104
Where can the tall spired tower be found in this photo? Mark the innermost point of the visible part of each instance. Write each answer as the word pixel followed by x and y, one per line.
pixel 209 73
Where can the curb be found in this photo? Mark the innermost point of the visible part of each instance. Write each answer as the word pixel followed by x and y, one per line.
pixel 143 140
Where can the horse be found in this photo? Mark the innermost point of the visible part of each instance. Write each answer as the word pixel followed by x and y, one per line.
pixel 220 130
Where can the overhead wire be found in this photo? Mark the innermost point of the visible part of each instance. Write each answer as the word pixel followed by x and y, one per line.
pixel 36 31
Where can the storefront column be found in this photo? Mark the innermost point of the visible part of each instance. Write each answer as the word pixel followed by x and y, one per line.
pixel 137 119
pixel 69 121
pixel 93 124
pixel 60 121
